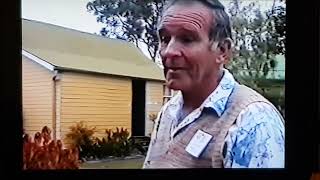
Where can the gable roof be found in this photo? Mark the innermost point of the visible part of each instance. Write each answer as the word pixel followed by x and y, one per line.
pixel 68 49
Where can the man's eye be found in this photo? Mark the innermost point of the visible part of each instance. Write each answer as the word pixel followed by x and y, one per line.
pixel 187 39
pixel 164 39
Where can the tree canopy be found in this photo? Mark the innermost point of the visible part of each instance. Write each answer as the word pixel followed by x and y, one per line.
pixel 131 20
pixel 258 38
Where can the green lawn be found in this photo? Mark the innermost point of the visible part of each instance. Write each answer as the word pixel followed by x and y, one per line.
pixel 114 164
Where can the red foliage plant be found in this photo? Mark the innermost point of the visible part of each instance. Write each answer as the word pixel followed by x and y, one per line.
pixel 44 153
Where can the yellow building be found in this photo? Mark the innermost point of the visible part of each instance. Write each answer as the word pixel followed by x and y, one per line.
pixel 70 76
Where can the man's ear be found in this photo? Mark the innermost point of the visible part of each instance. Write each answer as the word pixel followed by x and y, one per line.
pixel 224 50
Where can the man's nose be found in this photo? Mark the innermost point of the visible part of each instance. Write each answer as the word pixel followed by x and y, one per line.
pixel 171 50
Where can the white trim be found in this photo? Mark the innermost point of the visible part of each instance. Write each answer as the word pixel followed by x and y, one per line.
pixel 38 60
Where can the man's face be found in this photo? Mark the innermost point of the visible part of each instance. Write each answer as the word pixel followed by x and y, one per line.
pixel 185 47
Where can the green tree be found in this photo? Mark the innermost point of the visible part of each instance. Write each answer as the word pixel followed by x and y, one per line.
pixel 258 37
pixel 131 20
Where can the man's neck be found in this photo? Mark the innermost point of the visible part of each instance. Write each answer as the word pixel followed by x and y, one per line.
pixel 195 98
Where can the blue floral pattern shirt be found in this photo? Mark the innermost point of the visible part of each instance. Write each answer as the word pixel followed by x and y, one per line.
pixel 256 140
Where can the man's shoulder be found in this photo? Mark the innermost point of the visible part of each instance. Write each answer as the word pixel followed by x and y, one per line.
pixel 260 111
pixel 244 94
pixel 259 134
pixel 242 97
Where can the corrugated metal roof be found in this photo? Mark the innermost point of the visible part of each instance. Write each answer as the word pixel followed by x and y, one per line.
pixel 74 50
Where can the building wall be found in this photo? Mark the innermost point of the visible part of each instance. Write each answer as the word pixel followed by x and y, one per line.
pixel 37 96
pixel 154 101
pixel 100 101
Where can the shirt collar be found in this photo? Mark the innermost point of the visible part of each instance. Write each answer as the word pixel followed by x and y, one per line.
pixel 217 100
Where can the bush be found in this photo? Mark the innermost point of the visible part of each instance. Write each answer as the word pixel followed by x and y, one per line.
pixel 120 142
pixel 81 136
pixel 43 153
pixel 115 143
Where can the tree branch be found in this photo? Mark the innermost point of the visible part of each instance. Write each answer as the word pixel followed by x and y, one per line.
pixel 136 42
pixel 154 55
pixel 147 42
pixel 123 22
pixel 273 5
pixel 147 22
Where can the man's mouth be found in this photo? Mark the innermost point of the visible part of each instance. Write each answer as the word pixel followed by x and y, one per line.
pixel 172 71
pixel 175 68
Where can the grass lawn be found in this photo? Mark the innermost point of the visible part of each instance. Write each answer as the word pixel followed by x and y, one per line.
pixel 114 164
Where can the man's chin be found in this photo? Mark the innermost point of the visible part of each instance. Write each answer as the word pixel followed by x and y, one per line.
pixel 173 85
pixel 175 88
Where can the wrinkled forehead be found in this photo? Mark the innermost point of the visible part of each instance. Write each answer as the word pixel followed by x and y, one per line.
pixel 196 16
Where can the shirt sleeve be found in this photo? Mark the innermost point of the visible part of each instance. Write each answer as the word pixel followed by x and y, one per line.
pixel 256 140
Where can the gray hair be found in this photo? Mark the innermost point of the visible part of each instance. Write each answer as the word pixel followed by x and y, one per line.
pixel 220 27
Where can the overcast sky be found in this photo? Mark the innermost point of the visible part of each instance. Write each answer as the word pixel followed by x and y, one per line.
pixel 66 13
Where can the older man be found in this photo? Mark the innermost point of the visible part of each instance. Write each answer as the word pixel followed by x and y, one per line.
pixel 213 121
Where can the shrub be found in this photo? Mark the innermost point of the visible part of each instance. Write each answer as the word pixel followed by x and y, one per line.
pixel 102 148
pixel 119 141
pixel 43 153
pixel 81 136
pixel 115 143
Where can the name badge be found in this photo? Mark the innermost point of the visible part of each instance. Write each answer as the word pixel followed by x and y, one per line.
pixel 198 143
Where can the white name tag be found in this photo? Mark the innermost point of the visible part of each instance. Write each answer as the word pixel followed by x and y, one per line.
pixel 198 143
